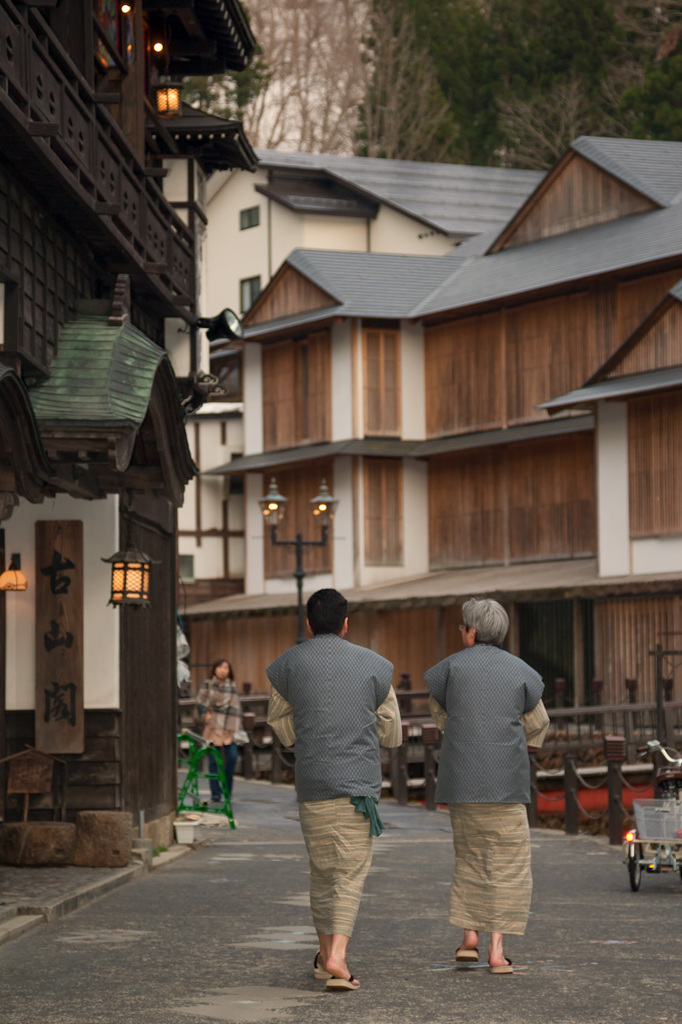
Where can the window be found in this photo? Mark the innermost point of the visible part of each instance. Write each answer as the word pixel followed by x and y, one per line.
pixel 382 382
pixel 186 567
pixel 249 218
pixel 383 512
pixel 249 290
pixel 114 38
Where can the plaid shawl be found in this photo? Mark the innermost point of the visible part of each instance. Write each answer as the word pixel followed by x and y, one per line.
pixel 219 709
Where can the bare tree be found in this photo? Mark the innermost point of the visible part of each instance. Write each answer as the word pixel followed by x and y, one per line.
pixel 539 130
pixel 316 83
pixel 404 115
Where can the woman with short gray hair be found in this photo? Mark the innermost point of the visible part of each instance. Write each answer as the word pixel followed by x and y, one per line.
pixel 488 705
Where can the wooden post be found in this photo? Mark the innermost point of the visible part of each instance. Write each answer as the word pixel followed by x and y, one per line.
pixel 276 767
pixel 571 795
pixel 431 741
pixel 402 794
pixel 248 720
pixel 615 787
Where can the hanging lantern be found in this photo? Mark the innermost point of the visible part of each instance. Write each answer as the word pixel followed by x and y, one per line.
pixel 13 578
pixel 130 577
pixel 168 102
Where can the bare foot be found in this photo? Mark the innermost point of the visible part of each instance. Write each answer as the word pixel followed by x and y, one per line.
pixel 338 969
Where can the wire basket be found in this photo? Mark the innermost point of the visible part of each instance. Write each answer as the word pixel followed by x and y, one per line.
pixel 659 819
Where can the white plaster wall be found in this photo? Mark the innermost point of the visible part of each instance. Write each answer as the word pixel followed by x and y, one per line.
pixel 342 381
pixel 412 384
pixel 613 513
pixel 327 232
pixel 393 232
pixel 254 575
pixel 175 183
pixel 231 254
pixel 342 532
pixel 208 556
pixel 358 380
pixel 101 621
pixel 656 554
pixel 415 528
pixel 177 343
pixel 252 368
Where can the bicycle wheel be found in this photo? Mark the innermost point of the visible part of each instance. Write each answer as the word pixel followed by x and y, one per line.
pixel 635 872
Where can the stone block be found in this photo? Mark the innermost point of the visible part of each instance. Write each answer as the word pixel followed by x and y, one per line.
pixel 37 843
pixel 104 839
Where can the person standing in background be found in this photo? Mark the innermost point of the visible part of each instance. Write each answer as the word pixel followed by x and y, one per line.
pixel 219 714
pixel 334 702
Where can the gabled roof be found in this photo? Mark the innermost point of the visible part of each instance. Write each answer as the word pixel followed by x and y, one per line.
pixel 603 248
pixel 384 286
pixel 112 393
pixel 102 375
pixel 652 167
pixel 645 171
pixel 454 199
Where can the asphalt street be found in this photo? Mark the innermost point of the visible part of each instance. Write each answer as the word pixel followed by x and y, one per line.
pixel 224 934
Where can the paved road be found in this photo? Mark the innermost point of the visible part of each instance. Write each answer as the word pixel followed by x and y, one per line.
pixel 224 934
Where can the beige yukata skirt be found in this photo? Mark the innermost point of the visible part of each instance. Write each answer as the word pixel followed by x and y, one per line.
pixel 340 852
pixel 491 884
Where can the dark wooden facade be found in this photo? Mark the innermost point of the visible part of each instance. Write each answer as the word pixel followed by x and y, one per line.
pixel 84 223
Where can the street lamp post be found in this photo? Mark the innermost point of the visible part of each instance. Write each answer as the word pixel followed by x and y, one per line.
pixel 273 506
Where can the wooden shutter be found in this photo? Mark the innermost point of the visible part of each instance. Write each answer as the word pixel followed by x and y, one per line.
pixel 383 512
pixel 279 404
pixel 382 382
pixel 318 398
pixel 654 444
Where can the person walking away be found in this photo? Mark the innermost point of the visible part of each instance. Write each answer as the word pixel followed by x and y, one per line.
pixel 219 713
pixel 488 704
pixel 334 701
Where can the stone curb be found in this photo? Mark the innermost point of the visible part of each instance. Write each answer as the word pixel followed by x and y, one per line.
pixel 30 915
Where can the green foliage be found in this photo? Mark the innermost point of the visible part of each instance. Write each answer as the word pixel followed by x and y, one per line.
pixel 523 77
pixel 654 108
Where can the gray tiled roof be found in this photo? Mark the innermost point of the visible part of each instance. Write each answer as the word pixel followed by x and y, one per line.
pixel 364 284
pixel 453 198
pixel 618 387
pixel 653 168
pixel 639 239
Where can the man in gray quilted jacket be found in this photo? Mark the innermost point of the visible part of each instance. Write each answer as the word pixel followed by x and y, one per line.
pixel 333 701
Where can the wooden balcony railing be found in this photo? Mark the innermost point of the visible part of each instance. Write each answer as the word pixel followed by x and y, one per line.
pixel 79 158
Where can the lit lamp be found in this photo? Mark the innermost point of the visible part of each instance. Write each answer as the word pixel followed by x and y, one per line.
pixel 273 507
pixel 168 102
pixel 130 578
pixel 324 504
pixel 126 8
pixel 13 578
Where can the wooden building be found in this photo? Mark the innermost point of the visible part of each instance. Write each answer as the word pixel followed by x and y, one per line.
pixel 102 172
pixel 419 389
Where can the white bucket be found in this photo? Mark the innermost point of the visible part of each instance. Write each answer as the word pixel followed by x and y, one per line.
pixel 184 832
